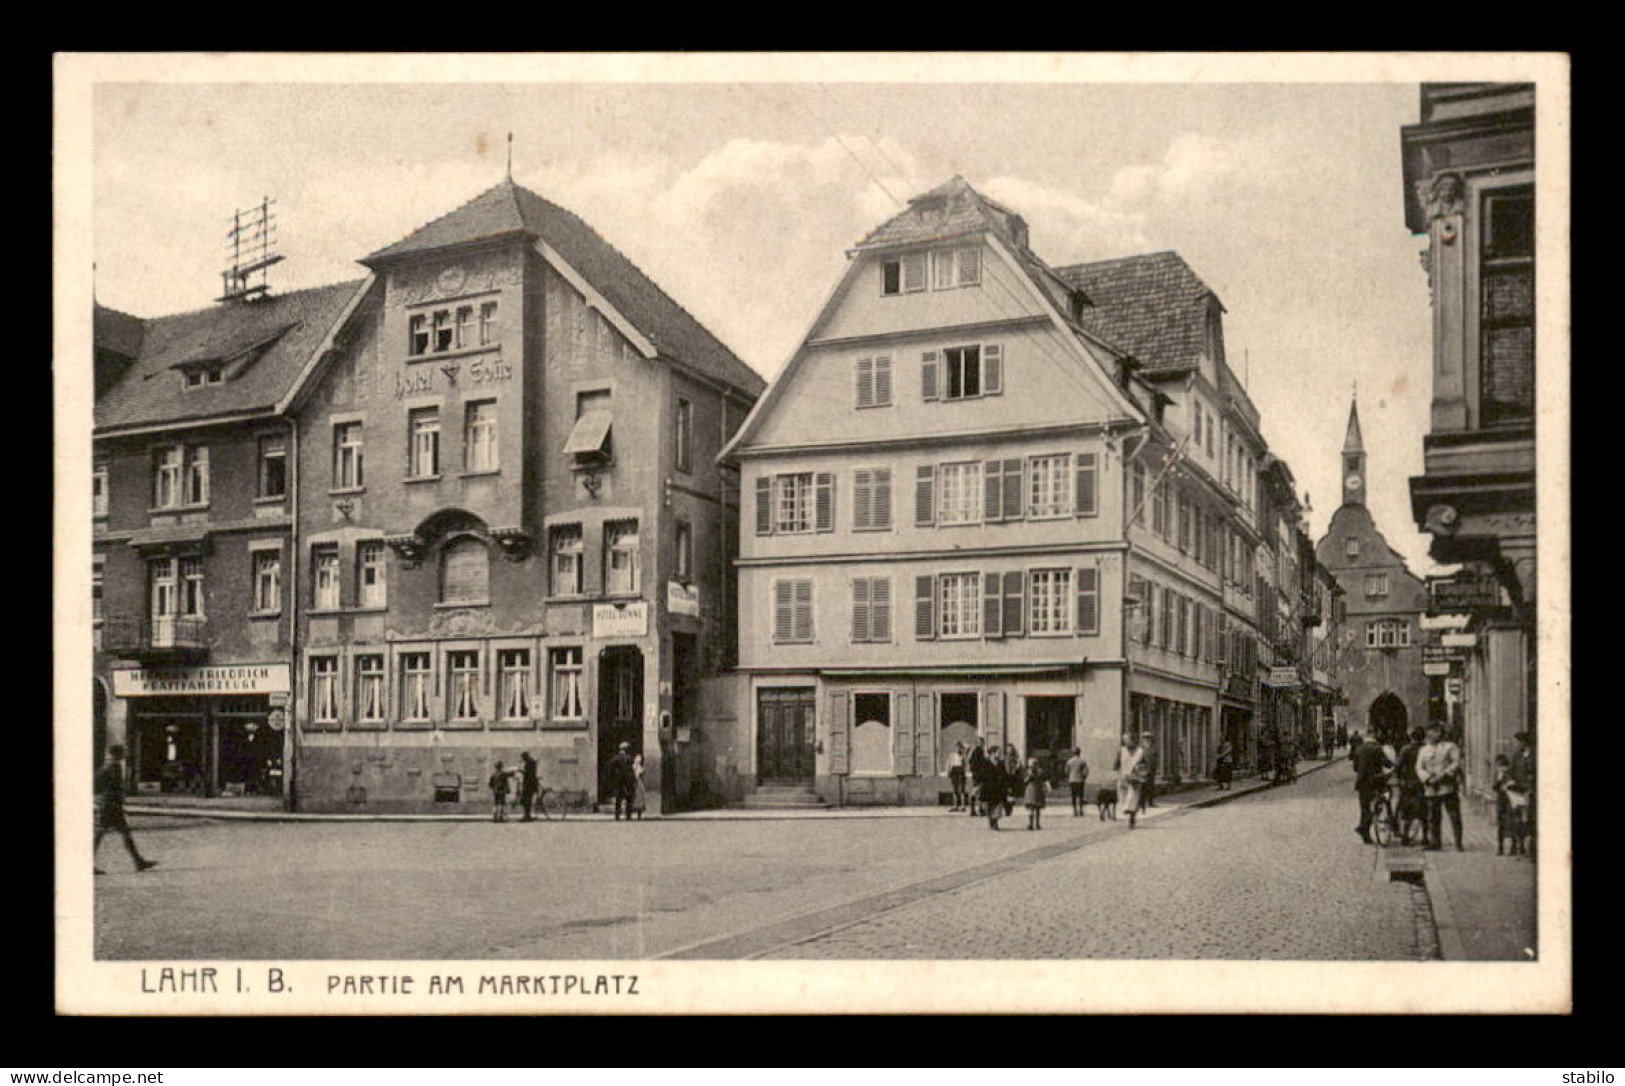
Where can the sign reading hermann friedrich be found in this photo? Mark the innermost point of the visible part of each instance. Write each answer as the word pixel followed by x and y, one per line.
pixel 135 682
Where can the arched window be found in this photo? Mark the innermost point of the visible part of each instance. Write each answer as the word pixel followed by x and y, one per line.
pixel 464 571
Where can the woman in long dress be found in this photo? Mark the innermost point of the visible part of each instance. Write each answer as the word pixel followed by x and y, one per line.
pixel 1131 773
pixel 640 797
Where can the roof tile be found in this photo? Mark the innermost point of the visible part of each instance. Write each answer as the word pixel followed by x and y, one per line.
pixel 1152 305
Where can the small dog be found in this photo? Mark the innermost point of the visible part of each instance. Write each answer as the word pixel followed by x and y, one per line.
pixel 1106 800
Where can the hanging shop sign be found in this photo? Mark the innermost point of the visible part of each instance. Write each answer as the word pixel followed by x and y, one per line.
pixel 1441 654
pixel 1459 640
pixel 1281 677
pixel 137 682
pixel 620 619
pixel 682 599
pixel 1463 592
pixel 1436 667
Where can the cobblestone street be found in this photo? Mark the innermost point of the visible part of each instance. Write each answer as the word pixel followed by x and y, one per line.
pixel 1277 875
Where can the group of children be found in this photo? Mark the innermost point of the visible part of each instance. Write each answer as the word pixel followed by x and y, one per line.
pixel 994 781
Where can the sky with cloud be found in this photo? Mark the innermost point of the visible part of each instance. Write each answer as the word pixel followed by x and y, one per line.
pixel 742 199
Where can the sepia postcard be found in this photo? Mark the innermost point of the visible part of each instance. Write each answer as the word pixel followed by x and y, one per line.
pixel 830 533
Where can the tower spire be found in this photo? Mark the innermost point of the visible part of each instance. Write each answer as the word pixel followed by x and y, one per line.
pixel 1353 459
pixel 1351 441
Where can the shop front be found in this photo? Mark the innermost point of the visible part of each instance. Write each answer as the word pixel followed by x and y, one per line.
pixel 205 732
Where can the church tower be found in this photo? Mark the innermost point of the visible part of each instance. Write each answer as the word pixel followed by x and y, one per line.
pixel 1354 477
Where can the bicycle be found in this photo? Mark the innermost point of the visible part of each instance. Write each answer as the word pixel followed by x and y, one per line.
pixel 558 801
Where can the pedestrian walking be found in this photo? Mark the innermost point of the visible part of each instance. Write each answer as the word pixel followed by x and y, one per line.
pixel 499 793
pixel 1132 769
pixel 1033 797
pixel 1015 778
pixel 1410 808
pixel 1354 745
pixel 1438 764
pixel 110 811
pixel 529 785
pixel 990 787
pixel 1223 766
pixel 1371 768
pixel 640 795
pixel 976 766
pixel 956 776
pixel 1077 779
pixel 621 782
pixel 1523 784
pixel 1148 785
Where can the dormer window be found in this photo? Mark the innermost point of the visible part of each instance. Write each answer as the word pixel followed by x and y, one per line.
pixel 903 275
pixel 212 373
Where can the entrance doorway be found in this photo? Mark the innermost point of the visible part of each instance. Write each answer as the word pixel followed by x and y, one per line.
pixel 1388 720
pixel 784 736
pixel 620 708
pixel 1049 734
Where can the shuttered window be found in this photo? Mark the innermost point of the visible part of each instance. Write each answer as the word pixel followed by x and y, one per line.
pixel 1087 619
pixel 1048 491
pixel 1086 498
pixel 959 493
pixel 824 501
pixel 764 505
pixel 871 499
pixel 792 611
pixel 871 609
pixel 874 382
pixel 930 376
pixel 961 595
pixel 925 607
pixel 464 569
pixel 925 490
pixel 1014 600
pixel 992 605
pixel 1049 601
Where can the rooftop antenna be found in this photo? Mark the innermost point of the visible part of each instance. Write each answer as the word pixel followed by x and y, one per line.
pixel 510 156
pixel 252 240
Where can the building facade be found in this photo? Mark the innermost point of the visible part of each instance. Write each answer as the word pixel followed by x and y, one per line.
pixel 1381 660
pixel 988 500
pixel 193 501
pixel 1469 172
pixel 358 544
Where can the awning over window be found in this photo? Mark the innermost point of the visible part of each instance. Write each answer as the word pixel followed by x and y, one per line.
pixel 591 433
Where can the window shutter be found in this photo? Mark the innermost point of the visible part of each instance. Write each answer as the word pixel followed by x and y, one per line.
pixel 803 611
pixel 992 605
pixel 902 738
pixel 764 505
pixel 993 718
pixel 1085 502
pixel 929 371
pixel 1088 618
pixel 920 733
pixel 862 498
pixel 880 499
pixel 860 609
pixel 1014 583
pixel 992 369
pixel 840 732
pixel 866 382
pixel 925 608
pixel 925 494
pixel 824 500
pixel 882 382
pixel 880 609
pixel 1013 478
pixel 993 490
pixel 914 272
pixel 783 620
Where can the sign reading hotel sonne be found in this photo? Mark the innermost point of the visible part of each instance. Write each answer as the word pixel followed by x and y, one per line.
pixel 135 682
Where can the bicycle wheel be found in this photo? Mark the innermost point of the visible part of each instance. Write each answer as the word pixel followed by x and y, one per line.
pixel 553 805
pixel 1382 829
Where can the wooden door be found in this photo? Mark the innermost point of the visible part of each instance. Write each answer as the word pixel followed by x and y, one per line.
pixel 784 741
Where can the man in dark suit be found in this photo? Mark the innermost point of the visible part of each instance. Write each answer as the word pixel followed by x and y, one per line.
pixel 622 782
pixel 1371 767
pixel 110 809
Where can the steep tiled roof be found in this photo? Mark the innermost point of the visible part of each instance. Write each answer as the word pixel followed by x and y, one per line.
pixel 511 209
pixel 264 343
pixel 1152 305
pixel 949 210
pixel 117 331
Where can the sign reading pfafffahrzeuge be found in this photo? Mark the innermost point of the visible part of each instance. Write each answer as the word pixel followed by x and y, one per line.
pixel 137 682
